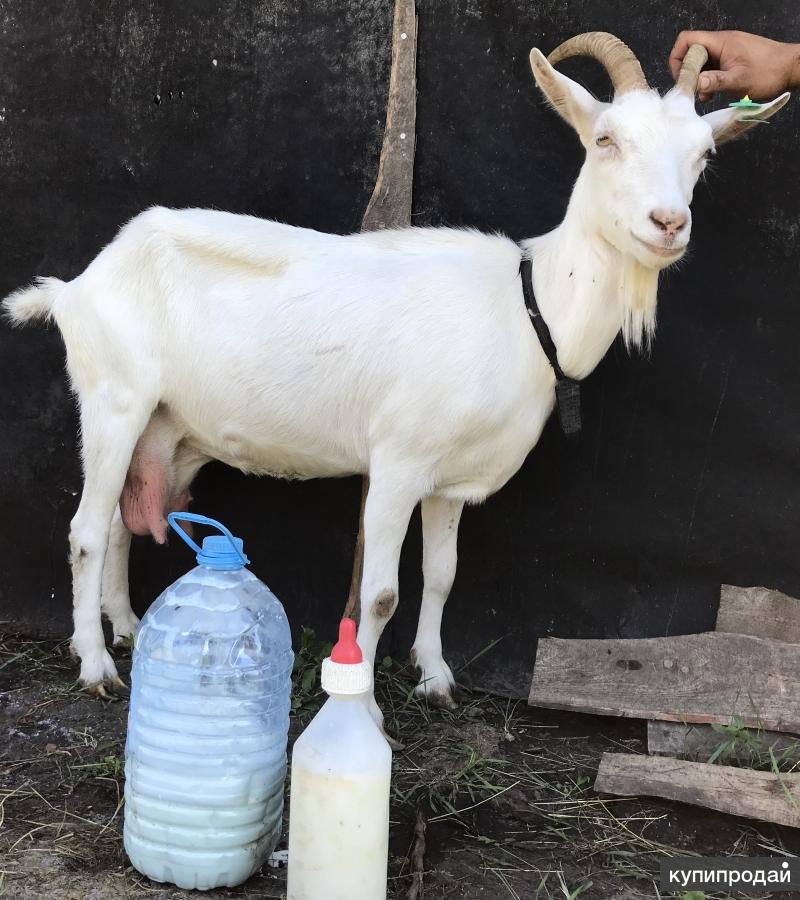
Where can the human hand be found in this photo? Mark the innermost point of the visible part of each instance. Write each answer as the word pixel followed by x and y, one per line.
pixel 741 63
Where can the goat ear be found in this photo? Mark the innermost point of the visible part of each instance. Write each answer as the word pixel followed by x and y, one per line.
pixel 571 101
pixel 733 121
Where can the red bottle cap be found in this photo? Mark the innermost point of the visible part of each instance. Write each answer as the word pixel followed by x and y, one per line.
pixel 347 650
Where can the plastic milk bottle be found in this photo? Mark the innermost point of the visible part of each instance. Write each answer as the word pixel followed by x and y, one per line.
pixel 341 773
pixel 205 759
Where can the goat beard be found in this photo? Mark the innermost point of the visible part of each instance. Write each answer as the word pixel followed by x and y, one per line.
pixel 638 296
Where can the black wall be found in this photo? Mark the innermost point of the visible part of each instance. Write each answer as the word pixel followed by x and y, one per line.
pixel 685 475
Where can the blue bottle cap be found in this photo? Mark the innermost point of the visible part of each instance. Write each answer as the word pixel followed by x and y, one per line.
pixel 220 553
pixel 224 552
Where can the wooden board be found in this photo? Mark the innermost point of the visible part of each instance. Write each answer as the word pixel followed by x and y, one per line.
pixel 756 611
pixel 760 612
pixel 699 742
pixel 740 792
pixel 692 678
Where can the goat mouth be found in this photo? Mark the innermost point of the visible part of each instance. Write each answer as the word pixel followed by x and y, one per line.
pixel 660 250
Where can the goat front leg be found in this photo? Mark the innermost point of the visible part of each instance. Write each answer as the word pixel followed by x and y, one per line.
pixel 440 519
pixel 390 502
pixel 115 594
pixel 110 427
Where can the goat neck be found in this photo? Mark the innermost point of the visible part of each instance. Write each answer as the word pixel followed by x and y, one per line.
pixel 588 290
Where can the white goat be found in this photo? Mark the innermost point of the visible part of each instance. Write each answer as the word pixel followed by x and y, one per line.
pixel 407 355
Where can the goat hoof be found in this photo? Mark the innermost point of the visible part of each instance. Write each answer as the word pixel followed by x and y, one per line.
pixel 377 718
pixel 99 676
pixel 125 631
pixel 437 685
pixel 438 699
pixel 110 689
pixel 120 688
pixel 98 690
pixel 396 745
pixel 123 641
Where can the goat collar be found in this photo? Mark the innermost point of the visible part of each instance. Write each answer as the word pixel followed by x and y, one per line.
pixel 568 390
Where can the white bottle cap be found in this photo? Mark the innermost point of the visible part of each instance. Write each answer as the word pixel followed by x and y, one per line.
pixel 346 678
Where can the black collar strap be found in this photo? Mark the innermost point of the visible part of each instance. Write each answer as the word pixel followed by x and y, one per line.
pixel 568 390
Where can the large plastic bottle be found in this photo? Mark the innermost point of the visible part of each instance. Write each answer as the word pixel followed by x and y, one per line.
pixel 205 759
pixel 339 802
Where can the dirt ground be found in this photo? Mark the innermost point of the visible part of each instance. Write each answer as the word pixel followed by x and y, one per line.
pixel 506 792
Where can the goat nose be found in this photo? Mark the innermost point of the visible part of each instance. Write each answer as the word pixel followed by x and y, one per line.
pixel 669 221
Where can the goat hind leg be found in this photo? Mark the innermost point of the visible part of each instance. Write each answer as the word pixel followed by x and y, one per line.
pixel 115 598
pixel 115 594
pixel 440 519
pixel 110 427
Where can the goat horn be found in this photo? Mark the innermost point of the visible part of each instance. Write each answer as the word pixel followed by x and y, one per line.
pixel 620 61
pixel 692 65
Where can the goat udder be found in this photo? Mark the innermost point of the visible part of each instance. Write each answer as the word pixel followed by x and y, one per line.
pixel 146 499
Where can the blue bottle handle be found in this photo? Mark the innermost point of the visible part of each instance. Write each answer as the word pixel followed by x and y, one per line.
pixel 175 517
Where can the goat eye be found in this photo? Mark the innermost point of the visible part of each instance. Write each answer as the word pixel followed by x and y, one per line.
pixel 709 154
pixel 604 140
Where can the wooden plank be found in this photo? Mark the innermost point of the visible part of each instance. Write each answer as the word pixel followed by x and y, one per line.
pixel 390 203
pixel 759 612
pixel 740 792
pixel 693 678
pixel 699 742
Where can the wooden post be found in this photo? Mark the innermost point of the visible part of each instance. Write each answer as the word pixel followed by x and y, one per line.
pixel 390 204
pixel 352 608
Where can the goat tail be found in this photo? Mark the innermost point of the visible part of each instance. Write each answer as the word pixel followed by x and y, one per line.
pixel 32 303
